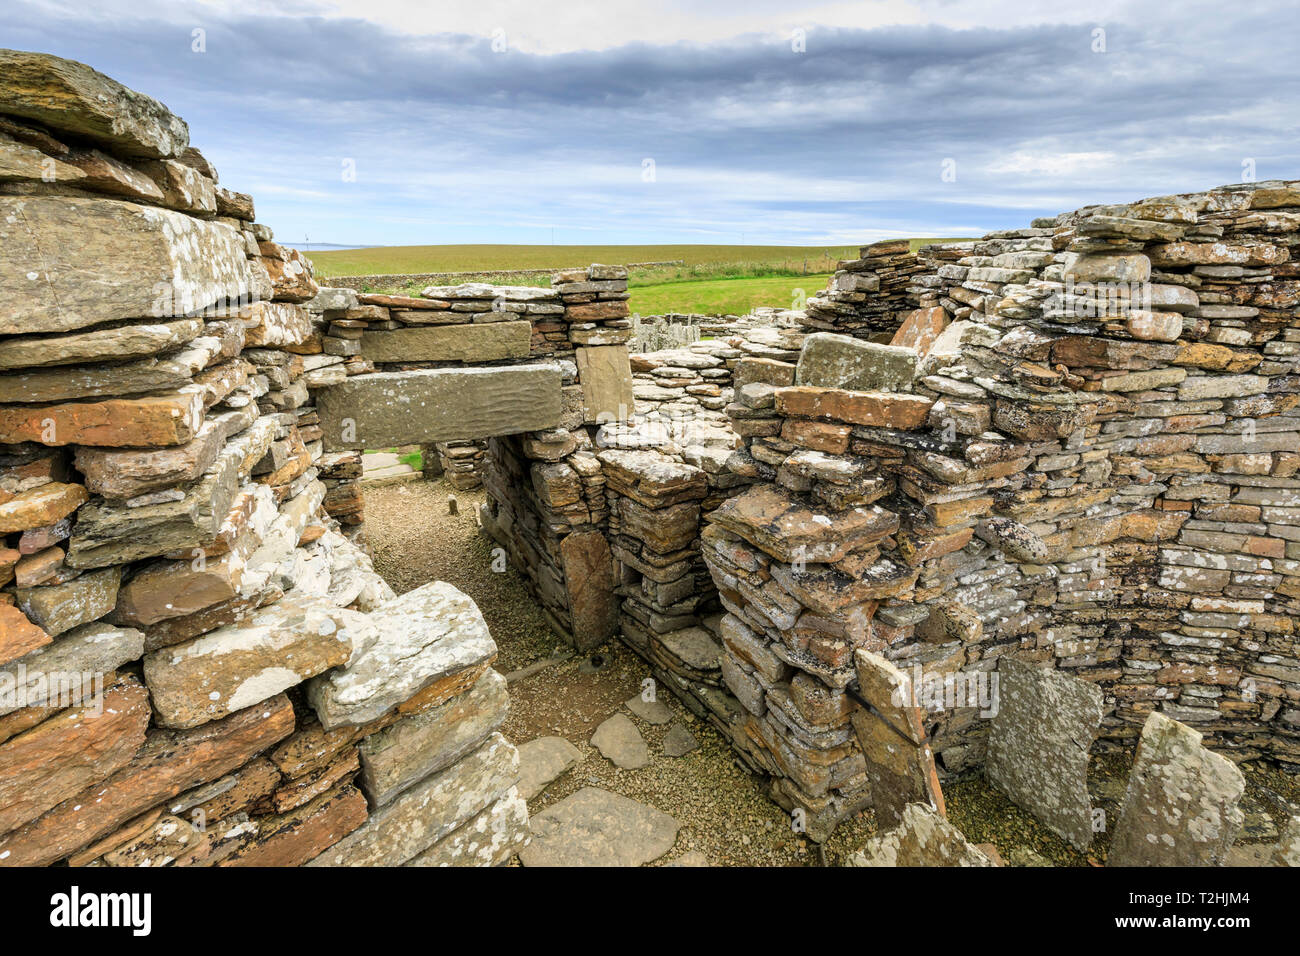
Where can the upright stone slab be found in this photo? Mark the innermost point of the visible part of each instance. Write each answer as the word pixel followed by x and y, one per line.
pixel 67 262
pixel 432 405
pixel 485 342
pixel 605 373
pixel 900 771
pixel 1038 749
pixel 829 360
pixel 589 584
pixel 922 838
pixel 899 762
pixel 1181 805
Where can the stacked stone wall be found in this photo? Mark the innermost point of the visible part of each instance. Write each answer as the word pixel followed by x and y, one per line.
pixel 196 657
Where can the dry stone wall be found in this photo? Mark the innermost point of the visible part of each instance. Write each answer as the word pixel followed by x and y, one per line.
pixel 1091 469
pixel 198 663
pixel 1073 445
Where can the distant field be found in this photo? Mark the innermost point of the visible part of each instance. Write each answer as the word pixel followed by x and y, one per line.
pixel 725 296
pixel 710 279
pixel 487 258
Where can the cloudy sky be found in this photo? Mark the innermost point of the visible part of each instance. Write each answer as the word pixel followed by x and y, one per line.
pixel 713 121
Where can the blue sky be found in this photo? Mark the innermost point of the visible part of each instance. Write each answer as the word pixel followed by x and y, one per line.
pixel 772 123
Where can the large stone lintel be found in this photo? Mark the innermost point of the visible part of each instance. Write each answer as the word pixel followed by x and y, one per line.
pixel 431 405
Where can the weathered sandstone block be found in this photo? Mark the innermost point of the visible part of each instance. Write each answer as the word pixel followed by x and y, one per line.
pixel 397 408
pixel 61 607
pixel 417 639
pixel 139 422
pixel 829 360
pixel 72 750
pixel 70 96
pixel 68 262
pixel 169 763
pixel 424 743
pixel 67 670
pixel 429 810
pixel 239 665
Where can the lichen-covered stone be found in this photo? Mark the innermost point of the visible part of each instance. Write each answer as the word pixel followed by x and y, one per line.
pixel 1039 743
pixel 1180 808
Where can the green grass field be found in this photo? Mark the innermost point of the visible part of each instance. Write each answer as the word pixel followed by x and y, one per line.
pixel 725 296
pixel 709 279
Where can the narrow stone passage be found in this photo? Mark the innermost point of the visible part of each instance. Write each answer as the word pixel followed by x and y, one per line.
pixel 725 818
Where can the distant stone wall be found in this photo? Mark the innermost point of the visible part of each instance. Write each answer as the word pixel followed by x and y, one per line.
pixel 403 280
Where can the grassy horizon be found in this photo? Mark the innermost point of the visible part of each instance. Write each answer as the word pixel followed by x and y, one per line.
pixel 710 279
pixel 725 296
pixel 487 257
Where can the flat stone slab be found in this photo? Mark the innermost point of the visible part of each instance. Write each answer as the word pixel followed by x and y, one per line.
pixel 1045 724
pixel 594 827
pixel 773 519
pixel 73 98
pixel 679 741
pixel 484 342
pixel 695 647
pixel 399 649
pixel 240 665
pixel 651 711
pixel 542 762
pixel 618 740
pixel 433 405
pixel 1181 805
pixel 103 259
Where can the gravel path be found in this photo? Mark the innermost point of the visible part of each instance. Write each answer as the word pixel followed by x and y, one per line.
pixel 721 806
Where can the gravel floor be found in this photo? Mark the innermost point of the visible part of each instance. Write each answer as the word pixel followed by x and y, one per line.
pixel 414 541
pixel 724 813
pixel 721 806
